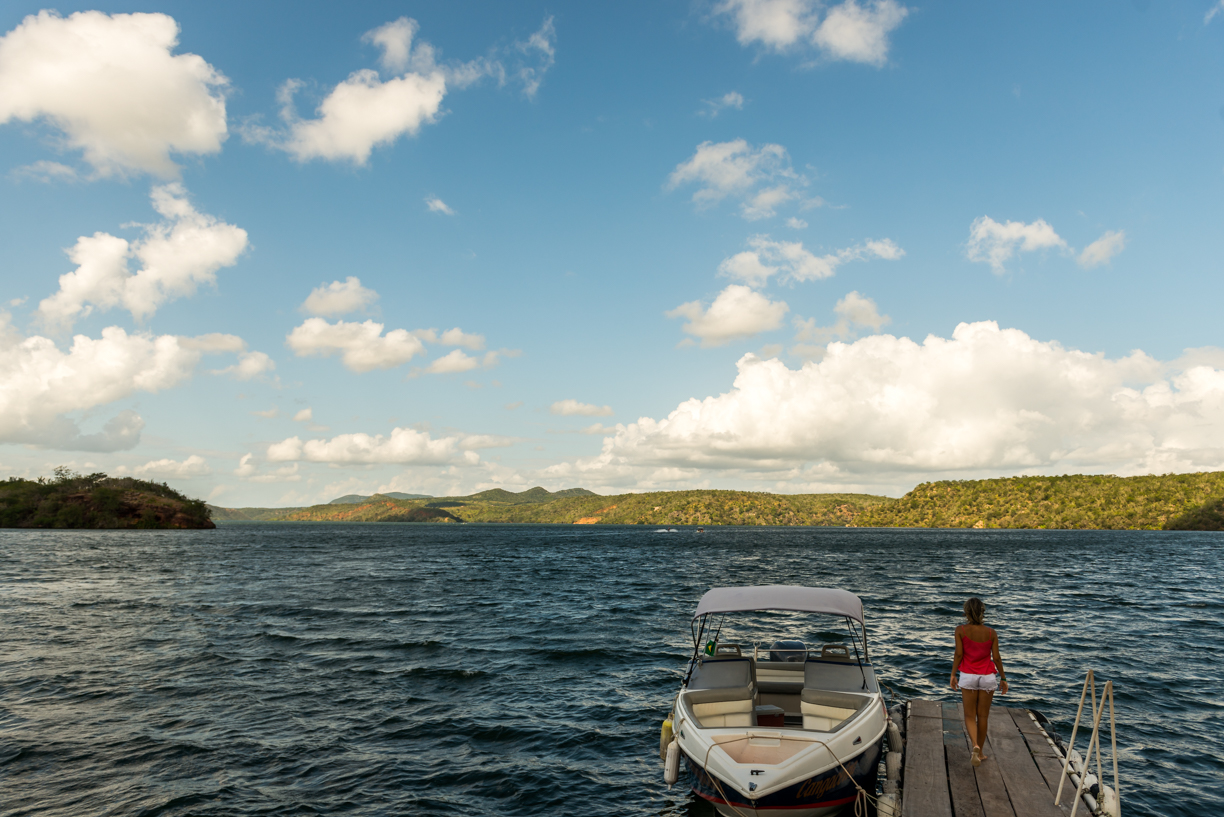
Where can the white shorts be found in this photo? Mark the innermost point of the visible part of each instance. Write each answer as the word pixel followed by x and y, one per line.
pixel 986 683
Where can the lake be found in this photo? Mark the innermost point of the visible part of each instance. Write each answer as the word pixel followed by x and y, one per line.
pixel 286 669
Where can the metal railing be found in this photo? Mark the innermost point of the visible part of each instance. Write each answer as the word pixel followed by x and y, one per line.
pixel 1107 800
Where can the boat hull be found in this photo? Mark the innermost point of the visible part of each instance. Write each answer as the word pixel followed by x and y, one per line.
pixel 820 795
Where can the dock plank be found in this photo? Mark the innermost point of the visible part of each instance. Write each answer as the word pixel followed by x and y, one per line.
pixel 966 802
pixel 1026 787
pixel 926 772
pixel 995 802
pixel 1049 763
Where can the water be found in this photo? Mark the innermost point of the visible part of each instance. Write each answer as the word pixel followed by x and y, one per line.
pixel 401 669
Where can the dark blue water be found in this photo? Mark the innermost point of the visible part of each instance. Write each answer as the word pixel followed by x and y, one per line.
pixel 401 669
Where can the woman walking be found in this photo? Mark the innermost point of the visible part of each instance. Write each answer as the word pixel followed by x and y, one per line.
pixel 980 672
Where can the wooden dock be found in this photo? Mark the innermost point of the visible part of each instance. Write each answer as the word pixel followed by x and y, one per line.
pixel 1018 780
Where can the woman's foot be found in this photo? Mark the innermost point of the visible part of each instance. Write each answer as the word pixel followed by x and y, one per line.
pixel 977 756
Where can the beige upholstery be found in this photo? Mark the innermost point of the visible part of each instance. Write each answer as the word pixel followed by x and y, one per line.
pixel 826 711
pixel 724 713
pixel 823 718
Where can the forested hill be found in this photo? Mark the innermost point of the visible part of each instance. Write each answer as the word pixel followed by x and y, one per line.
pixel 1173 502
pixel 71 500
pixel 1169 502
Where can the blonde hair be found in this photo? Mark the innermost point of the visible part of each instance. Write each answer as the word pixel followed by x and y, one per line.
pixel 975 610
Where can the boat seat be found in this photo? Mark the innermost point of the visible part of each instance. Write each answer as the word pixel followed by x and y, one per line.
pixel 722 692
pixel 825 711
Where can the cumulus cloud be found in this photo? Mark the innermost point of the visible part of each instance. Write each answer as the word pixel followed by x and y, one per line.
pixel 175 256
pixel 713 107
pixel 854 312
pixel 993 243
pixel 366 110
pixel 40 385
pixel 1103 249
pixel 436 205
pixel 457 337
pixel 45 171
pixel 339 298
pixel 985 401
pixel 573 408
pixel 848 31
pixel 720 169
pixel 796 223
pixel 193 466
pixel 1218 8
pixel 249 471
pixel 362 346
pixel 114 89
pixel 737 312
pixel 455 361
pixel 791 262
pixel 404 446
pixel 250 365
pixel 304 415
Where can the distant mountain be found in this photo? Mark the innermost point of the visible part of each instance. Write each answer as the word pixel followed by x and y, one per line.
pixel 357 499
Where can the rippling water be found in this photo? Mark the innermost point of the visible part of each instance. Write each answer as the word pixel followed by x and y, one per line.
pixel 401 669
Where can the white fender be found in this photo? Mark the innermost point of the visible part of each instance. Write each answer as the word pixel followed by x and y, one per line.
pixel 894 737
pixel 892 766
pixel 1109 802
pixel 886 806
pixel 1077 762
pixel 671 769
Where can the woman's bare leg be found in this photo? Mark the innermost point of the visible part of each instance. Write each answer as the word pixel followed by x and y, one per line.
pixel 983 716
pixel 969 698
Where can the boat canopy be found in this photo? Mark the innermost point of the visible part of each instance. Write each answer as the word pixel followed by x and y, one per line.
pixel 827 600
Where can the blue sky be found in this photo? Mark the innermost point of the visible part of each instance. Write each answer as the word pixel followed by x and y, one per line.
pixel 773 245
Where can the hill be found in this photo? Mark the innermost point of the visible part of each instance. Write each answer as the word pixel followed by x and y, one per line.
pixel 70 500
pixel 356 499
pixel 1169 502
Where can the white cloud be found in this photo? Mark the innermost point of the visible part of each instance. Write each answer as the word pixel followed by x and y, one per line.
pixel 764 203
pixel 791 262
pixel 713 107
pixel 1103 249
pixel 573 408
pixel 362 346
pixel 436 205
pixel 1213 11
pixel 304 415
pixel 849 31
pixel 854 311
pixel 249 471
pixel 796 223
pixel 113 87
pixel 725 168
pixel 859 33
pixel 366 111
pixel 39 384
pixel 456 361
pixel 193 466
pixel 250 365
pixel 984 402
pixel 267 414
pixel 737 312
pixel 457 337
pixel 538 54
pixel 395 40
pixel 995 244
pixel 176 255
pixel 404 446
pixel 339 298
pixel 45 171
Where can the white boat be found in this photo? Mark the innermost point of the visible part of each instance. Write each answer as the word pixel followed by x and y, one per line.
pixel 788 729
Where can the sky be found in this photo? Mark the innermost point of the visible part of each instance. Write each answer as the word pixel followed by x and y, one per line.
pixel 276 253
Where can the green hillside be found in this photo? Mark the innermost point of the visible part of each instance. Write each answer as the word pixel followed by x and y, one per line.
pixel 70 500
pixel 1172 502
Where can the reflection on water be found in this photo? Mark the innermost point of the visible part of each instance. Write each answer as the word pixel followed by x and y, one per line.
pixel 377 669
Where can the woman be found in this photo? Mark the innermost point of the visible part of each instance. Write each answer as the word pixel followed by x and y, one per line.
pixel 981 672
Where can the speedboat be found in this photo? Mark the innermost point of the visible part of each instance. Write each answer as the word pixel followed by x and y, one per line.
pixel 786 729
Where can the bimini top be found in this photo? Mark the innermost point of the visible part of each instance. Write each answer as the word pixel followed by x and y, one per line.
pixel 827 600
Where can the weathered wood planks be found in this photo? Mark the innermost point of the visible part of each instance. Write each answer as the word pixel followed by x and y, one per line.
pixel 1018 779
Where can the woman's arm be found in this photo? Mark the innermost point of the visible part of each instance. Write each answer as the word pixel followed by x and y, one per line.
pixel 998 662
pixel 956 659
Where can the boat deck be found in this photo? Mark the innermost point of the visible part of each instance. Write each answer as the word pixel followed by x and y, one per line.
pixel 1019 779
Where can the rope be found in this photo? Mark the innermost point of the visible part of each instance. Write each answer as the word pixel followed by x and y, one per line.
pixel 861 797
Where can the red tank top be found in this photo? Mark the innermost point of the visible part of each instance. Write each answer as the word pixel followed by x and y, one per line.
pixel 976 660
